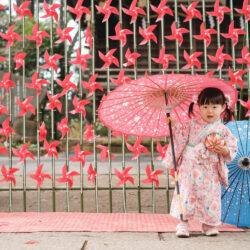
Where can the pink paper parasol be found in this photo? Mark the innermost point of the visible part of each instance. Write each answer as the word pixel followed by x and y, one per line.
pixel 139 107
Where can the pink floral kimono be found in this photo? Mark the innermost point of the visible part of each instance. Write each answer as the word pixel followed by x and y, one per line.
pixel 200 170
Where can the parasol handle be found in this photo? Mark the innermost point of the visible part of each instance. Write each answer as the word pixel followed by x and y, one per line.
pixel 175 167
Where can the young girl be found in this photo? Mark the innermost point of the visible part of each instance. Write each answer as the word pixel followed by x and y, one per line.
pixel 200 168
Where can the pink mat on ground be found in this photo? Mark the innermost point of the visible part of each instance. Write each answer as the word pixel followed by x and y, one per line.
pixel 94 222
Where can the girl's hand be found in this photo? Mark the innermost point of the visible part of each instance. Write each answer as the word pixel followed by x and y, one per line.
pixel 221 150
pixel 170 120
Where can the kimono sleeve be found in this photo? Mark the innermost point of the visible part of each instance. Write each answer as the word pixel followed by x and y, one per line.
pixel 180 137
pixel 231 143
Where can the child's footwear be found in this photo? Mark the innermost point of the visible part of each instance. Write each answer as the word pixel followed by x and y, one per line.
pixel 182 230
pixel 209 230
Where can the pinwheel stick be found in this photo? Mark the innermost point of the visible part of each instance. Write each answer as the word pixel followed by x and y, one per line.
pixel 174 160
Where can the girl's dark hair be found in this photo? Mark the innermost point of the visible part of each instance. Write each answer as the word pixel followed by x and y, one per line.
pixel 212 96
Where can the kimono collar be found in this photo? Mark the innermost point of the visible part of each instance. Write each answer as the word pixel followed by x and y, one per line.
pixel 203 123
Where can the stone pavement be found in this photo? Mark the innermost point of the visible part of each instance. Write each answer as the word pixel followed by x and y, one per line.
pixel 123 241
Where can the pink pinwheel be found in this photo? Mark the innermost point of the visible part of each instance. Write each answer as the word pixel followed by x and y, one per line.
pixel 51 61
pixel 161 150
pixel 8 175
pixel 152 176
pixel 39 176
pixel 64 34
pixel 236 77
pixel 161 10
pixel 124 176
pixel 18 59
pixel 92 85
pixel 219 11
pixel 6 129
pixel 121 35
pixel 220 57
pixel 66 84
pixel 63 127
pixel 51 11
pixel 36 83
pixel 37 35
pixel 54 102
pixel 7 83
pixel 3 150
pixel 137 148
pixel 104 153
pixel 89 135
pixel 67 177
pixel 23 153
pixel 245 57
pixel 2 7
pixel 80 155
pixel 191 11
pixel 148 34
pixel 10 36
pixel 192 60
pixel 210 73
pixel 233 33
pixel 164 58
pixel 133 11
pixel 177 33
pixel 107 10
pixel 92 173
pixel 79 10
pixel 131 58
pixel 51 148
pixel 25 106
pixel 81 60
pixel 89 38
pixel 22 10
pixel 121 79
pixel 245 10
pixel 79 106
pixel 3 109
pixel 42 132
pixel 246 105
pixel 3 59
pixel 108 59
pixel 205 34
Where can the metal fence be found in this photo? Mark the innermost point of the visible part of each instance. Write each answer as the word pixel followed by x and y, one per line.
pixel 91 14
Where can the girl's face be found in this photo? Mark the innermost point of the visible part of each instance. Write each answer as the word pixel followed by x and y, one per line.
pixel 211 112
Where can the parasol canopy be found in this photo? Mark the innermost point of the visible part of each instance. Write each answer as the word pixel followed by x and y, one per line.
pixel 235 198
pixel 139 107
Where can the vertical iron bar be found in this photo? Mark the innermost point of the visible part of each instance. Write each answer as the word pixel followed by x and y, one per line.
pixel 109 132
pixel 167 171
pixel 191 38
pixel 218 42
pixel 138 159
pixel 24 123
pixel 66 103
pixel 81 120
pixel 233 51
pixel 176 41
pixel 123 138
pixel 52 118
pixel 37 112
pixel 152 141
pixel 10 115
pixel 204 41
pixel 94 102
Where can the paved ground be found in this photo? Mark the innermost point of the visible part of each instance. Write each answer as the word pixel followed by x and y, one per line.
pixel 123 241
pixel 112 241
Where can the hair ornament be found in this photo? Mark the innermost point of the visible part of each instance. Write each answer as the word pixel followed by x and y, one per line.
pixel 194 99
